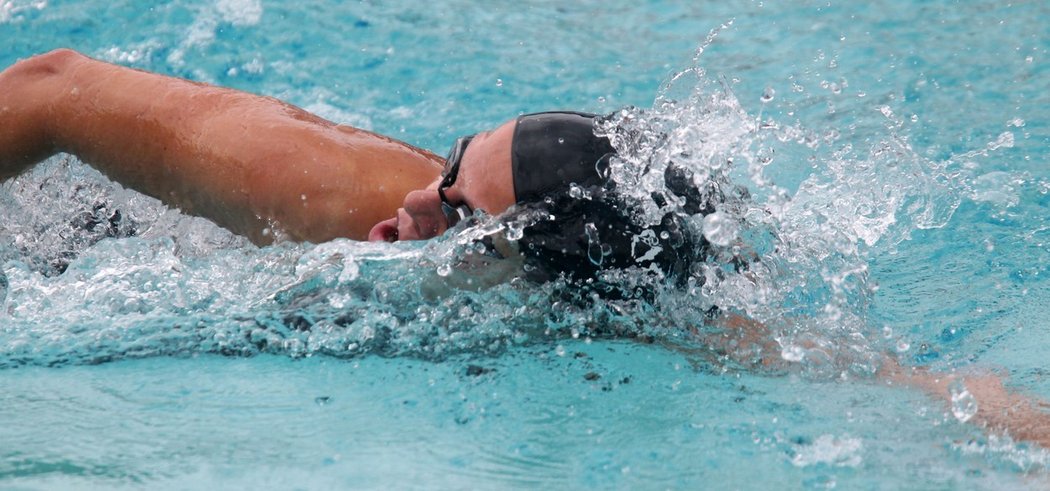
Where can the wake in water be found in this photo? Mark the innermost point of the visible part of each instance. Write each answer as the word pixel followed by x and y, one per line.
pixel 93 272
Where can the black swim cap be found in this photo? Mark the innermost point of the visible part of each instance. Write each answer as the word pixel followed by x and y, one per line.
pixel 551 150
pixel 595 228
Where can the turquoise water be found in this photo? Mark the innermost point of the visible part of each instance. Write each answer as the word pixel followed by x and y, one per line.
pixel 896 158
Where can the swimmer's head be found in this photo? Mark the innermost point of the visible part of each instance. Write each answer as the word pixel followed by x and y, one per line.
pixel 549 165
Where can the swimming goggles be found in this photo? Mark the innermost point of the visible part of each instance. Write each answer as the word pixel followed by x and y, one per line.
pixel 454 214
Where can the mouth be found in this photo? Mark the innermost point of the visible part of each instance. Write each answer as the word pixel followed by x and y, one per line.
pixel 384 231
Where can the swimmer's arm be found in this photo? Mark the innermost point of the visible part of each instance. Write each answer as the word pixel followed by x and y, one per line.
pixel 244 161
pixel 998 408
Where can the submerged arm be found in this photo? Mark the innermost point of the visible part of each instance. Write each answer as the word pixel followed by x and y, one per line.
pixel 244 161
pixel 998 409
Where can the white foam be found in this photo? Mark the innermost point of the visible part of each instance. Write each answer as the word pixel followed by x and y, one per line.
pixel 838 451
pixel 10 8
pixel 240 12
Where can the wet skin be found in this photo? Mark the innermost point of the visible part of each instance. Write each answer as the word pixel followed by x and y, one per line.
pixel 484 183
pixel 249 163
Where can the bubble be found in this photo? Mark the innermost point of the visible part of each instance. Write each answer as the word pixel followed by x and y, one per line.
pixel 577 192
pixel 768 94
pixel 444 270
pixel 596 251
pixel 719 229
pixel 499 82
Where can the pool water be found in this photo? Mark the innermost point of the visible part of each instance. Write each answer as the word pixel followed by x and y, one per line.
pixel 895 156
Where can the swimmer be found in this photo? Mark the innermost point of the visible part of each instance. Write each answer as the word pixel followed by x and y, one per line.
pixel 265 169
pixel 252 164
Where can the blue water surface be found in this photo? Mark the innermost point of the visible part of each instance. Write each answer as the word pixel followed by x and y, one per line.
pixel 896 152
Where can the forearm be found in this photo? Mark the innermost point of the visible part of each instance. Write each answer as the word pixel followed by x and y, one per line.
pixel 242 160
pixel 26 96
pixel 997 408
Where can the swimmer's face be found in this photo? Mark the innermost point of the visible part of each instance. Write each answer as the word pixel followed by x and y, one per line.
pixel 484 182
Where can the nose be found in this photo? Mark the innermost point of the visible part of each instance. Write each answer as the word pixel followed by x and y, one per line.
pixel 425 219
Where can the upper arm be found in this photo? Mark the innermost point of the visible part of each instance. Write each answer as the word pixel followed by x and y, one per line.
pixel 245 161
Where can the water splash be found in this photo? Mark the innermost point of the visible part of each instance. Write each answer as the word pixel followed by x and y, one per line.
pixel 963 403
pixel 838 451
pixel 10 10
pixel 94 272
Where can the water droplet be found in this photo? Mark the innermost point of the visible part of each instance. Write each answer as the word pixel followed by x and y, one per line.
pixel 719 229
pixel 561 140
pixel 559 350
pixel 499 82
pixel 444 270
pixel 515 230
pixel 1018 122
pixel 322 400
pixel 595 251
pixel 964 405
pixel 768 94
pixel 601 99
pixel 902 346
pixel 577 192
pixel 793 353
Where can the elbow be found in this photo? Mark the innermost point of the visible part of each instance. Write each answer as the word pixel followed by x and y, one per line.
pixel 28 91
pixel 41 68
pixel 52 63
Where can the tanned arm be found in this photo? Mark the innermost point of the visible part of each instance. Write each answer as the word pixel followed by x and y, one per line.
pixel 999 409
pixel 244 161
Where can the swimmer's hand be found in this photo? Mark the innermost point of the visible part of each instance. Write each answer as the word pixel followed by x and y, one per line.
pixel 999 409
